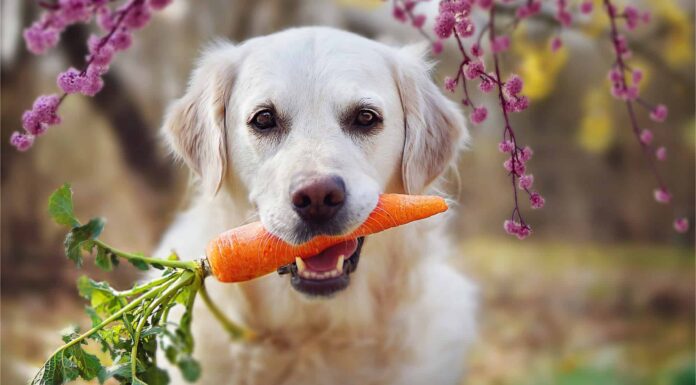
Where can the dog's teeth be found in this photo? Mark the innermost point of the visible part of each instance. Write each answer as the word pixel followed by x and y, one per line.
pixel 339 264
pixel 300 265
pixel 334 273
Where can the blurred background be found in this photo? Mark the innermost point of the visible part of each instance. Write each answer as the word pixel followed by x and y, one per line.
pixel 603 293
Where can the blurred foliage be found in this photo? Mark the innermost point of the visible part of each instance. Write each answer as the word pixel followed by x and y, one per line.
pixel 539 67
pixel 677 45
pixel 596 132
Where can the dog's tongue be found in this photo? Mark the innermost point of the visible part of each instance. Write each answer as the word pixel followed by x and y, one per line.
pixel 326 260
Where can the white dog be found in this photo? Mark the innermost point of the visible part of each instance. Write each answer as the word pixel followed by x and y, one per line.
pixel 304 128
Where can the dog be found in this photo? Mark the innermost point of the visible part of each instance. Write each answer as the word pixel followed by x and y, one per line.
pixel 302 130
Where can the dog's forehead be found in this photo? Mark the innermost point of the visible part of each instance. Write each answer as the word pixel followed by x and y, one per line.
pixel 317 63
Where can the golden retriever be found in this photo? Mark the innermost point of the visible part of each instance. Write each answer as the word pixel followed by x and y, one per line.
pixel 303 129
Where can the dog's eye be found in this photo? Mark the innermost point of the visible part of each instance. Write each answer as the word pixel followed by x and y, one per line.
pixel 263 120
pixel 366 118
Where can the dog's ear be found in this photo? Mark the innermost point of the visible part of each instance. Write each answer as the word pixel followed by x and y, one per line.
pixel 434 126
pixel 195 125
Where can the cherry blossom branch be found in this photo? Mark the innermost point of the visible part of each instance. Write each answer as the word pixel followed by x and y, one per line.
pixel 629 93
pixel 45 33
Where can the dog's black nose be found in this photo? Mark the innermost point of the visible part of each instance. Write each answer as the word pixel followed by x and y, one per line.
pixel 317 198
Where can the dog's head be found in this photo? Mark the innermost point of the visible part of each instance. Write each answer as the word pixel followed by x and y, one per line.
pixel 315 123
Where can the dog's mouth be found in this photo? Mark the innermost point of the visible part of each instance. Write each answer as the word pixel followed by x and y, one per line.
pixel 327 272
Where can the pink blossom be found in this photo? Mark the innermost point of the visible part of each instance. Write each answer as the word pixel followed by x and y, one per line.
pixel 662 195
pixel 659 113
pixel 621 46
pixel 537 200
pixel 418 21
pixel 160 4
pixel 517 104
pixel 75 10
pixel 70 81
pixel 515 228
pixel 637 76
pixel 556 44
pixel 506 146
pixel 646 137
pixel 39 39
pixel 513 85
pixel 586 7
pixel 485 4
pixel 479 114
pixel 500 44
pixel 486 84
pixel 473 69
pixel 93 83
pixel 32 124
pixel 121 40
pixel 476 50
pixel 455 6
pixel 437 47
pixel 101 54
pixel 519 167
pixel 565 18
pixel 615 75
pixel 528 9
pixel 444 24
pixel 46 107
pixel 632 16
pixel 450 84
pixel 21 141
pixel 465 27
pixel 137 16
pixel 526 154
pixel 681 225
pixel 526 182
pixel 105 18
pixel 409 4
pixel 661 153
pixel 43 114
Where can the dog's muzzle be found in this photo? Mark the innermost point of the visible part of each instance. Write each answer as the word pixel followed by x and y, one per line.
pixel 327 272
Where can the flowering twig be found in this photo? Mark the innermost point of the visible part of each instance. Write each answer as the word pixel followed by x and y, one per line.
pixel 43 34
pixel 621 89
pixel 454 21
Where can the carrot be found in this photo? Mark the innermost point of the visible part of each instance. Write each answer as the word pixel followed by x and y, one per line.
pixel 250 251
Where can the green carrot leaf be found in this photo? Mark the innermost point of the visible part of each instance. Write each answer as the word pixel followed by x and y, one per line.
pixel 80 237
pixel 60 206
pixel 103 260
pixel 190 368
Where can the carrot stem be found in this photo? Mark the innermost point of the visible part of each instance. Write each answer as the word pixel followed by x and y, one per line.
pixel 188 265
pixel 237 332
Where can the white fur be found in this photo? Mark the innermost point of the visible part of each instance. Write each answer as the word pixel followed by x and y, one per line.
pixel 406 317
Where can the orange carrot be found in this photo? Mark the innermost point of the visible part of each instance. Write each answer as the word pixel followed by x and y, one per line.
pixel 250 251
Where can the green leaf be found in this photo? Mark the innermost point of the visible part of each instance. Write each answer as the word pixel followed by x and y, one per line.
pixel 155 376
pixel 141 265
pixel 51 373
pixel 190 368
pixel 103 259
pixel 60 206
pixel 80 237
pixel 121 370
pixel 102 297
pixel 87 364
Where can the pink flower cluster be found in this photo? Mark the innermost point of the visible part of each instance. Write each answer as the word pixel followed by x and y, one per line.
pixel 117 25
